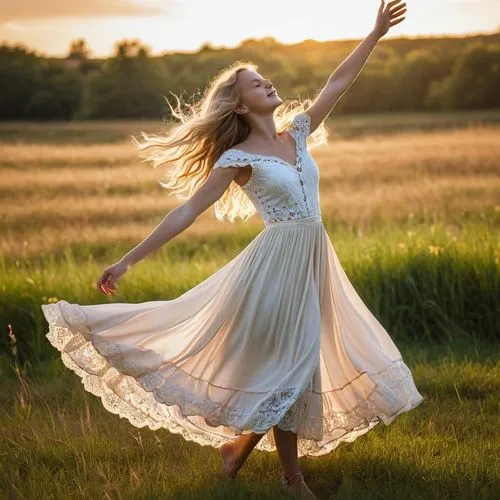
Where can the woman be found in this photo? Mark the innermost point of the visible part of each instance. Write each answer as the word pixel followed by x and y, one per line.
pixel 275 350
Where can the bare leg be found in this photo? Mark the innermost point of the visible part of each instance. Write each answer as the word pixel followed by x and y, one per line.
pixel 286 445
pixel 234 453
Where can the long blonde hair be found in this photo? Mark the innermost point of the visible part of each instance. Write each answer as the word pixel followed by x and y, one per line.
pixel 193 147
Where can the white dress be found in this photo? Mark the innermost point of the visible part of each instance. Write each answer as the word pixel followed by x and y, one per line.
pixel 277 336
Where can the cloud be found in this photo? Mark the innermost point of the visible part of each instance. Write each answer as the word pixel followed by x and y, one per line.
pixel 29 9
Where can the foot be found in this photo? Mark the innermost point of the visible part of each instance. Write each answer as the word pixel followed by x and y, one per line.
pixel 297 487
pixel 231 462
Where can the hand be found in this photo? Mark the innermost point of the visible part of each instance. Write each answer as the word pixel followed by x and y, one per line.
pixel 106 283
pixel 386 17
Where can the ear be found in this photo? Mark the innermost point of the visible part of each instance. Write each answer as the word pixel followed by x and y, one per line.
pixel 241 109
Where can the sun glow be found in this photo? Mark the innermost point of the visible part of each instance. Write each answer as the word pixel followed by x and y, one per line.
pixel 185 26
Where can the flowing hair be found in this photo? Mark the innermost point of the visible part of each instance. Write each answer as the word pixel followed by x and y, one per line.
pixel 190 149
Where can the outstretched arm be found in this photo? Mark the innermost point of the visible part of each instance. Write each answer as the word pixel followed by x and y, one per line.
pixel 342 78
pixel 174 223
pixel 181 217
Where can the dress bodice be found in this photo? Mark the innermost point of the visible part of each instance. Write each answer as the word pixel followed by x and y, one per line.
pixel 277 189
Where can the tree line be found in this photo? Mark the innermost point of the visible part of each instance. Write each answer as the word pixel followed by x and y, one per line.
pixel 403 74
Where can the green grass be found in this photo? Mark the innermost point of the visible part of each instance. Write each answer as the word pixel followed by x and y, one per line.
pixel 57 441
pixel 440 305
pixel 425 282
pixel 414 219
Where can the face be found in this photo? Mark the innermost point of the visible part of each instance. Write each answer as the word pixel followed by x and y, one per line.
pixel 257 93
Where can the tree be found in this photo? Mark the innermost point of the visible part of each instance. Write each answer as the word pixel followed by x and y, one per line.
pixel 473 83
pixel 79 50
pixel 19 80
pixel 129 85
pixel 58 93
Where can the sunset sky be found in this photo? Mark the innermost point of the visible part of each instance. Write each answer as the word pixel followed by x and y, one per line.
pixel 175 25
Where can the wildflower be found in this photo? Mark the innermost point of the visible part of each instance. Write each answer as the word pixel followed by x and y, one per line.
pixel 435 249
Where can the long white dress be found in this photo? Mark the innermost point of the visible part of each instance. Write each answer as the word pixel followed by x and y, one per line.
pixel 277 336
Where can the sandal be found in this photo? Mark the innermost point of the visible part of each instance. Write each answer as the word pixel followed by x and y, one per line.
pixel 297 487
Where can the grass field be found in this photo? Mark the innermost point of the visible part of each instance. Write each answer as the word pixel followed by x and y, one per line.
pixel 412 206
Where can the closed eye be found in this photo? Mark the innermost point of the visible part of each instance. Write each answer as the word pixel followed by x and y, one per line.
pixel 269 82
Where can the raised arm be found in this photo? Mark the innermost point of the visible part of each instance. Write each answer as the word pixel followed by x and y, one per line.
pixel 342 78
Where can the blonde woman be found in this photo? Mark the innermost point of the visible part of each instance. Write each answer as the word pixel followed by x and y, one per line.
pixel 276 350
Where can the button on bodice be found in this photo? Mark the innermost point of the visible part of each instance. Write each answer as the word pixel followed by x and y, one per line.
pixel 277 189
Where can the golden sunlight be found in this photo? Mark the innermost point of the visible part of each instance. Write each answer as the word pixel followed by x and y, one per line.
pixel 185 26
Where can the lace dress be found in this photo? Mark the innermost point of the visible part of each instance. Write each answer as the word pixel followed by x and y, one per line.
pixel 277 336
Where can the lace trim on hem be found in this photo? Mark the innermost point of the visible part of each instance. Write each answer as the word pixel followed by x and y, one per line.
pixel 123 395
pixel 72 340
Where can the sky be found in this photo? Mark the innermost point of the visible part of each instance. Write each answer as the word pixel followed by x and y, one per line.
pixel 48 26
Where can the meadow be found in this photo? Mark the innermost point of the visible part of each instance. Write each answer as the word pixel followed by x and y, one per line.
pixel 412 207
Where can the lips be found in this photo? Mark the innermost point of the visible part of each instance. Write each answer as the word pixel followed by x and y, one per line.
pixel 272 93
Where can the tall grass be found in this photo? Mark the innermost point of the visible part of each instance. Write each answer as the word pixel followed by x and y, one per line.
pixel 433 282
pixel 59 442
pixel 414 218
pixel 53 197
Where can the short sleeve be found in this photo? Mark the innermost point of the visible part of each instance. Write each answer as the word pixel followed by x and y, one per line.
pixel 234 202
pixel 232 158
pixel 301 124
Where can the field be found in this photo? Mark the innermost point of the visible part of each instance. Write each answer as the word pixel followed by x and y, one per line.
pixel 412 206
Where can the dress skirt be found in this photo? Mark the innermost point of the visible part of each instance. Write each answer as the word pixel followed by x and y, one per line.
pixel 277 336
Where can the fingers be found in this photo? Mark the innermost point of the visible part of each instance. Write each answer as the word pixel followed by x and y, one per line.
pixel 391 6
pixel 105 283
pixel 400 9
pixel 101 287
pixel 101 282
pixel 109 285
pixel 104 288
pixel 397 21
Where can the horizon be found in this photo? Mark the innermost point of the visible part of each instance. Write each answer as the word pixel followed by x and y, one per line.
pixel 185 27
pixel 218 47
